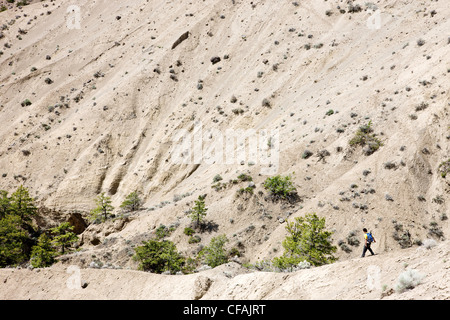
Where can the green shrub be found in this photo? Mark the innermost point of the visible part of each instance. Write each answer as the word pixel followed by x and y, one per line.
pixel 266 103
pixel 161 232
pixel 219 186
pixel 306 154
pixel 215 253
pixel 159 256
pixel 26 102
pixel 444 168
pixel 234 252
pixel 366 138
pixel 280 186
pixel 344 246
pixel 403 237
pixel 22 3
pixel 248 190
pixel 245 177
pixel 352 239
pixel 43 254
pixel 435 230
pixel 439 199
pixel 264 265
pixel 194 239
pixel 188 231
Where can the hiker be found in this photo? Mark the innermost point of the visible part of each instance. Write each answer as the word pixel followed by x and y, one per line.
pixel 368 239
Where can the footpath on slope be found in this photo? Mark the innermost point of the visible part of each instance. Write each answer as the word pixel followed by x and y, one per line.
pixel 372 278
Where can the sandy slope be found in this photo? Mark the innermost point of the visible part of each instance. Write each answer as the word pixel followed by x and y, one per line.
pixel 372 278
pixel 107 121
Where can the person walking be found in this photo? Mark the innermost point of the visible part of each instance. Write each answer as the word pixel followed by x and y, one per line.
pixel 368 239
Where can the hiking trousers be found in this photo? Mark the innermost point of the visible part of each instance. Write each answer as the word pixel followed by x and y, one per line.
pixel 367 247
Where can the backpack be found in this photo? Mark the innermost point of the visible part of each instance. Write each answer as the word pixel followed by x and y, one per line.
pixel 369 237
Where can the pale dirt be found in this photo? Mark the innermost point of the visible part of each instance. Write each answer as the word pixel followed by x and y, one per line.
pixel 369 278
pixel 118 137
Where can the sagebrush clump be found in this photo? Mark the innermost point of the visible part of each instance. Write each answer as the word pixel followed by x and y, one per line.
pixel 408 280
pixel 444 168
pixel 367 139
pixel 26 103
pixel 403 237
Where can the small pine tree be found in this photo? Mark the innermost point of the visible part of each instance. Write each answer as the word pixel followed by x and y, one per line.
pixel 5 204
pixel 198 212
pixel 132 202
pixel 215 254
pixel 367 139
pixel 63 236
pixel 12 241
pixel 103 210
pixel 307 241
pixel 43 254
pixel 22 204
